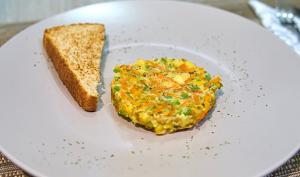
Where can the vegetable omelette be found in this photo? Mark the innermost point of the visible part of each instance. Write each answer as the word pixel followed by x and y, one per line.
pixel 163 95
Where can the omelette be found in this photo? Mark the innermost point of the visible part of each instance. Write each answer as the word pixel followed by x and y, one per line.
pixel 163 95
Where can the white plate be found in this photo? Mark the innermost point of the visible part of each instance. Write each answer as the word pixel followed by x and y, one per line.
pixel 253 129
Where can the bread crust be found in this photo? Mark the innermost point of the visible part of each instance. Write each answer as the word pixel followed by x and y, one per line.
pixel 79 93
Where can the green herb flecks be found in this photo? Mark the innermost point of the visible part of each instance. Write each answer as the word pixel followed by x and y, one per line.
pixel 194 87
pixel 187 111
pixel 146 88
pixel 184 96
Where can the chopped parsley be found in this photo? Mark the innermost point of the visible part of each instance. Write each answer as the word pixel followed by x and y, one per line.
pixel 194 87
pixel 184 96
pixel 170 66
pixel 163 60
pixel 175 102
pixel 171 100
pixel 146 88
pixel 187 111
pixel 168 97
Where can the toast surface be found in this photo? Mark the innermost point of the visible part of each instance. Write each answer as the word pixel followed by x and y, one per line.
pixel 75 51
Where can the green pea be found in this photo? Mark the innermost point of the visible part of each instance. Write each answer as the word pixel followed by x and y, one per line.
pixel 117 78
pixel 116 70
pixel 207 76
pixel 116 88
pixel 122 112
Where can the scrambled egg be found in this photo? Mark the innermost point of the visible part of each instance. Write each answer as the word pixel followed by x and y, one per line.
pixel 163 95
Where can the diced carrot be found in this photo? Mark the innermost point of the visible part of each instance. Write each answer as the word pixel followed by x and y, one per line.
pixel 159 109
pixel 188 80
pixel 186 102
pixel 171 112
pixel 133 90
pixel 185 68
pixel 196 98
pixel 122 95
pixel 123 83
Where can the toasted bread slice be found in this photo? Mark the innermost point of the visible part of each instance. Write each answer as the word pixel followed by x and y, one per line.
pixel 75 51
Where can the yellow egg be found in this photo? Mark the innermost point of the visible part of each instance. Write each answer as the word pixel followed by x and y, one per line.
pixel 163 95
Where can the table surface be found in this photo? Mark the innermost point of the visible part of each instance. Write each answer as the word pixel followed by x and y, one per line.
pixel 240 7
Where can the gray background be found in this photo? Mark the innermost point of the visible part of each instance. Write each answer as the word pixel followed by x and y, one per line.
pixel 16 11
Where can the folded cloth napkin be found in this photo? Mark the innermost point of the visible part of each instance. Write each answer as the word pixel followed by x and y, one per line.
pixel 269 19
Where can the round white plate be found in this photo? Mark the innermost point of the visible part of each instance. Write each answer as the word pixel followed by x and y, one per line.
pixel 253 129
